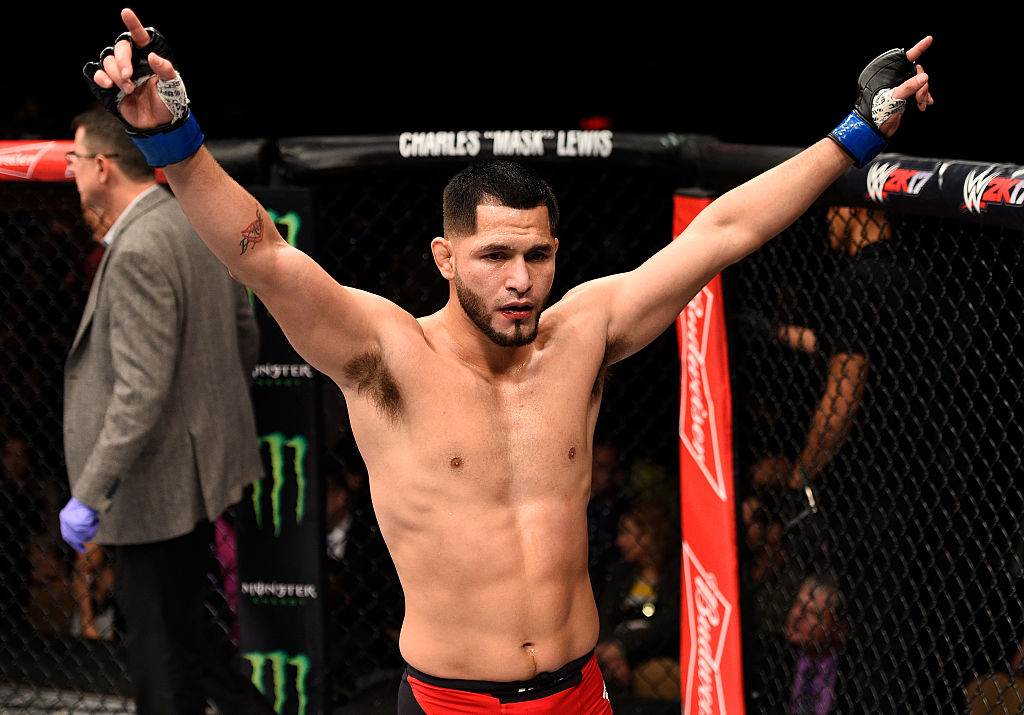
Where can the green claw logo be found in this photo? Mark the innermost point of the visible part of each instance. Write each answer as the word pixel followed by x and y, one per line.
pixel 279 663
pixel 277 444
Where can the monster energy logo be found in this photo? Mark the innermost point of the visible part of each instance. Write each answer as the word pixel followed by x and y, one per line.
pixel 279 663
pixel 277 445
pixel 276 593
pixel 270 374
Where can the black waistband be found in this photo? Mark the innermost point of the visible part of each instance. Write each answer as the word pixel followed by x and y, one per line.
pixel 541 684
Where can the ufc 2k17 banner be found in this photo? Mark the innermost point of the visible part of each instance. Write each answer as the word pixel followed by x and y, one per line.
pixel 710 657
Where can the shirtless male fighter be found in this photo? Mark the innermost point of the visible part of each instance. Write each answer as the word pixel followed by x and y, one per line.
pixel 476 423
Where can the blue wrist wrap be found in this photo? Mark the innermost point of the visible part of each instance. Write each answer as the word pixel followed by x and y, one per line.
pixel 171 146
pixel 860 140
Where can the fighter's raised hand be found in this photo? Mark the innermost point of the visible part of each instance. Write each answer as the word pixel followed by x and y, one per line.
pixel 883 89
pixel 924 97
pixel 136 81
pixel 916 87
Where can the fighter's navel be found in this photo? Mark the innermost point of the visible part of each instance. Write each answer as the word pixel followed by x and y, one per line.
pixel 528 647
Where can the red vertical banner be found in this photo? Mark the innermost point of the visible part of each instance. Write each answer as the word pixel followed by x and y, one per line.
pixel 710 656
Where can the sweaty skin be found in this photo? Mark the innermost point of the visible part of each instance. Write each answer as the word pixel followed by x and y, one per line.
pixel 478 442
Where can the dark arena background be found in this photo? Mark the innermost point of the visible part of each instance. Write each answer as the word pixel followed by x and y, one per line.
pixel 348 130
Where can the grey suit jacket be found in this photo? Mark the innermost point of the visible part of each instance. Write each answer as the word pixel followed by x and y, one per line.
pixel 159 431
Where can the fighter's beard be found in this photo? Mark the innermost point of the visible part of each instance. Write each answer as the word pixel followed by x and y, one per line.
pixel 524 333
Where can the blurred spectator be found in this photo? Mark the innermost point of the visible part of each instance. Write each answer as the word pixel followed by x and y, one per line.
pixel 852 230
pixel 365 599
pixel 92 583
pixel 19 516
pixel 762 527
pixel 608 475
pixel 28 555
pixel 863 467
pixel 51 602
pixel 225 552
pixel 638 647
pixel 999 693
pixel 771 578
pixel 818 625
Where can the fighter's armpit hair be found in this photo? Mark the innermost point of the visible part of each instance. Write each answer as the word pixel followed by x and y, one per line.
pixel 253 233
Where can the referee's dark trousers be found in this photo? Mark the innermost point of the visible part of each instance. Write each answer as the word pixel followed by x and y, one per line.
pixel 177 657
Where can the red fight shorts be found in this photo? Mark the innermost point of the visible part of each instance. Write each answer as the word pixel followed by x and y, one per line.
pixel 575 689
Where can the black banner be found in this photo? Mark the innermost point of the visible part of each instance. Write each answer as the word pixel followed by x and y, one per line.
pixel 987 193
pixel 281 531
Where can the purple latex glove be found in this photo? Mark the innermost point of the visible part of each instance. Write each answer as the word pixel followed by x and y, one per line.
pixel 78 524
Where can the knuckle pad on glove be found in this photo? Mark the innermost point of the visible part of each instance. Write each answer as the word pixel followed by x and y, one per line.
pixel 886 72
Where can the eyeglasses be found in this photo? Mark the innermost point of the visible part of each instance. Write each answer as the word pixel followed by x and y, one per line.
pixel 71 157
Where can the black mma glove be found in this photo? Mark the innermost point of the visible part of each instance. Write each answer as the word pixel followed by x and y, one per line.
pixel 168 143
pixel 860 133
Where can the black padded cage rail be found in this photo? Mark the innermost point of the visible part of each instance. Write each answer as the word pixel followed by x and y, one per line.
pixel 911 530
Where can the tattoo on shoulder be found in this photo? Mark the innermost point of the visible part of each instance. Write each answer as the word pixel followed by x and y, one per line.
pixel 253 233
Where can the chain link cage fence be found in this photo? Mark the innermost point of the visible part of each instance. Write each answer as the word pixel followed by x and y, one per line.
pixel 892 559
pixel 877 371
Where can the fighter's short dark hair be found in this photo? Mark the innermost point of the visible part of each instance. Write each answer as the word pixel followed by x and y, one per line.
pixel 499 181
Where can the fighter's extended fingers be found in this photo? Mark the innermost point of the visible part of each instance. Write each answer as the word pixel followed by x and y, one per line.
pixel 116 71
pixel 161 66
pixel 924 98
pixel 923 94
pixel 118 66
pixel 131 21
pixel 101 78
pixel 123 58
pixel 917 50
pixel 917 83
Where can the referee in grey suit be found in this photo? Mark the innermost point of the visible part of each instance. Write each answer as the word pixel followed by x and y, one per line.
pixel 159 432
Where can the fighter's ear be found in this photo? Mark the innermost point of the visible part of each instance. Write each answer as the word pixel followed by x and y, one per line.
pixel 444 257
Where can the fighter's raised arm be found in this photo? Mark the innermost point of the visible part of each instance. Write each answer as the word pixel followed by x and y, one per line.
pixel 644 302
pixel 137 81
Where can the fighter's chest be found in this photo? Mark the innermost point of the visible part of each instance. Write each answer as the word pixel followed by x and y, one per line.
pixel 510 442
pixel 466 433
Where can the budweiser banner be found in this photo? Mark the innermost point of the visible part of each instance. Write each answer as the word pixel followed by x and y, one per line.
pixel 34 160
pixel 41 160
pixel 710 658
